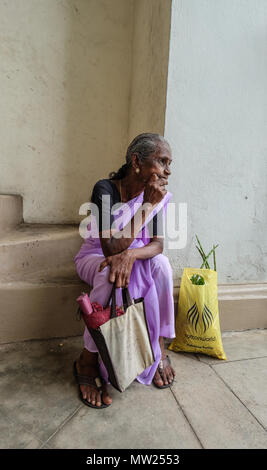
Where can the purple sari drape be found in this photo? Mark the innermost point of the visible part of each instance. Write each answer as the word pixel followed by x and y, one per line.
pixel 150 278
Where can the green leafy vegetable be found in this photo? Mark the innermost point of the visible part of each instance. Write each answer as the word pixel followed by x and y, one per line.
pixel 196 278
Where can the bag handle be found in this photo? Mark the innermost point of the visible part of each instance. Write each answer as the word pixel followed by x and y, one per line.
pixel 127 301
pixel 111 294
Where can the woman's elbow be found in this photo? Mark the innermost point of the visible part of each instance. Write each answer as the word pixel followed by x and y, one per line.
pixel 108 248
pixel 159 242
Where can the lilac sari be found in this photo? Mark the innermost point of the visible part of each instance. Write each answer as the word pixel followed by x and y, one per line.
pixel 150 278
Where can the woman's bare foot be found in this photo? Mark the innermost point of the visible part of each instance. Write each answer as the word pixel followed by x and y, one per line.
pixel 167 375
pixel 87 365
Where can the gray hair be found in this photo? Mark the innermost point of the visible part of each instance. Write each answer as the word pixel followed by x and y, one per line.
pixel 143 145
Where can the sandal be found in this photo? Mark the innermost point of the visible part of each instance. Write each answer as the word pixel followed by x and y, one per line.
pixel 162 365
pixel 95 382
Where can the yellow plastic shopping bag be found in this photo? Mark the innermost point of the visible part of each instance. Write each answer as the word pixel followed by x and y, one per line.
pixel 197 323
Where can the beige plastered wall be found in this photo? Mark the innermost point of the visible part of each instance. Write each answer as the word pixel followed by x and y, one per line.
pixel 150 56
pixel 79 79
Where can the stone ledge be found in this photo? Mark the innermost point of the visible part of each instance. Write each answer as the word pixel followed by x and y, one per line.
pixel 241 306
pixel 46 308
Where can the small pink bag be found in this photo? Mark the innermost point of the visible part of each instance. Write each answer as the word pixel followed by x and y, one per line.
pixel 94 314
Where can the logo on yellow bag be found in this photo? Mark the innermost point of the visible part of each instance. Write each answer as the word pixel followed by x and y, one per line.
pixel 200 323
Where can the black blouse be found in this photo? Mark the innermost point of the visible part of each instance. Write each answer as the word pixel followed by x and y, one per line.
pixel 107 187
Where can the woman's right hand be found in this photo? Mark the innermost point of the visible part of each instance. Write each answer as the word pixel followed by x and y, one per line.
pixel 155 190
pixel 120 267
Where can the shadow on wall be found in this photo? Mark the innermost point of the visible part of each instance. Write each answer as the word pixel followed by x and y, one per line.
pixel 95 94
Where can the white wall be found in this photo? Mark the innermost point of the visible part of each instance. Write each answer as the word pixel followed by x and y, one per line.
pixel 64 103
pixel 216 120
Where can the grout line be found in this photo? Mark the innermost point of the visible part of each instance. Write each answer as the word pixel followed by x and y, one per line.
pixel 190 425
pixel 62 424
pixel 45 446
pixel 235 360
pixel 239 399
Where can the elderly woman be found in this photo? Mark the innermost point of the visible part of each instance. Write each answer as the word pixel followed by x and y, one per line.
pixel 134 261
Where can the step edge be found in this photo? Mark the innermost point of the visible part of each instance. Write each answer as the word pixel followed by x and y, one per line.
pixel 23 238
pixel 16 283
pixel 239 291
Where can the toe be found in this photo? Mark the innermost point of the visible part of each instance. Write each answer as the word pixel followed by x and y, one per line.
pixel 93 398
pixel 173 373
pixel 84 391
pixel 170 377
pixel 98 399
pixel 165 379
pixel 158 379
pixel 88 396
pixel 105 396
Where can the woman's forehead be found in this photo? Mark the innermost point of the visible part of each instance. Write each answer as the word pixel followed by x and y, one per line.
pixel 164 151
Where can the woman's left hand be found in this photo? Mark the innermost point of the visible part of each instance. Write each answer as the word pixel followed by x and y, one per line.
pixel 120 267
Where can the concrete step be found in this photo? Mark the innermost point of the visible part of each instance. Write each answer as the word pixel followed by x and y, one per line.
pixel 42 305
pixel 38 280
pixel 11 212
pixel 34 247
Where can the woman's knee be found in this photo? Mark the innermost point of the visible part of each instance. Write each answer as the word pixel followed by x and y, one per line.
pixel 161 263
pixel 79 269
pixel 90 273
pixel 102 275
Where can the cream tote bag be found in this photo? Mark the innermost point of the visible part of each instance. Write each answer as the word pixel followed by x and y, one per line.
pixel 123 341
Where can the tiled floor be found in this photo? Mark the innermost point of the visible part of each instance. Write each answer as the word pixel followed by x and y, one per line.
pixel 212 404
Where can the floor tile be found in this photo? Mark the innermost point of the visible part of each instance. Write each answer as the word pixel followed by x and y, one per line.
pixel 37 387
pixel 14 436
pixel 215 413
pixel 241 345
pixel 248 380
pixel 212 404
pixel 142 417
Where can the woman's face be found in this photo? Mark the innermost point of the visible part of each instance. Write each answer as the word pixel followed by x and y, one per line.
pixel 158 163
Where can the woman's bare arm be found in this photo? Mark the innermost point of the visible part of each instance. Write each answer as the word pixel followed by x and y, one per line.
pixel 121 264
pixel 155 247
pixel 113 244
pixel 153 193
